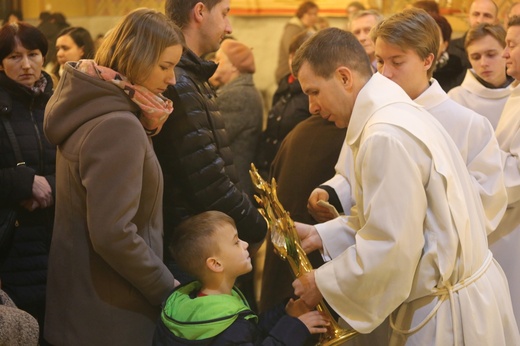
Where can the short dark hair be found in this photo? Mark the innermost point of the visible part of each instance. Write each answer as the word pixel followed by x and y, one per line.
pixel 60 19
pixel 81 38
pixel 445 27
pixel 484 29
pixel 29 36
pixel 179 10
pixel 329 49
pixel 45 16
pixel 192 240
pixel 514 21
pixel 305 7
pixel 428 5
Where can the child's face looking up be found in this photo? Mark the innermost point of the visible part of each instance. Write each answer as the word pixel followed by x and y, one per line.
pixel 232 252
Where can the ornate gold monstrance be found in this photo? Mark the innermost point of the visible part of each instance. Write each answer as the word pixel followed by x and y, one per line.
pixel 287 244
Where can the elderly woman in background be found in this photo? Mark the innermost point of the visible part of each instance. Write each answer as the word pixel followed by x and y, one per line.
pixel 240 104
pixel 106 275
pixel 485 89
pixel 72 44
pixel 24 91
pixel 305 19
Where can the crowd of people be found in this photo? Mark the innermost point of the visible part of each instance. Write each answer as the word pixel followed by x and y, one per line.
pixel 395 147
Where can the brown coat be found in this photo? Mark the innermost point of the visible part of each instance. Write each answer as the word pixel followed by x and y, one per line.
pixel 305 159
pixel 106 275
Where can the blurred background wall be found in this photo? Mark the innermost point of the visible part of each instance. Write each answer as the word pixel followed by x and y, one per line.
pixel 257 23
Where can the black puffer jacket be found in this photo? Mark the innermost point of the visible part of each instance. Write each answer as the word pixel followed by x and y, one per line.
pixel 195 157
pixel 24 272
pixel 290 107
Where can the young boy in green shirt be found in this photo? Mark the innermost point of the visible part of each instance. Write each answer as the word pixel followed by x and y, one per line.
pixel 212 310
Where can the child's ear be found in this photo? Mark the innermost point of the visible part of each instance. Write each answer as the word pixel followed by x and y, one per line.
pixel 214 265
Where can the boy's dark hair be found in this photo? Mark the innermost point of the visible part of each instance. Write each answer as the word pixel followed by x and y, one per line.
pixel 179 10
pixel 329 49
pixel 82 39
pixel 192 241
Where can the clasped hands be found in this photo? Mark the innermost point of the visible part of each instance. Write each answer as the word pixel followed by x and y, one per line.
pixel 41 195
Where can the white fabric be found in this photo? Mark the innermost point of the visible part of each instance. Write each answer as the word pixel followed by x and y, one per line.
pixel 476 141
pixel 418 226
pixel 473 95
pixel 505 241
pixel 339 182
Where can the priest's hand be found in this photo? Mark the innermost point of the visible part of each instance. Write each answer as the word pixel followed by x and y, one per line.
pixel 317 211
pixel 309 237
pixel 305 288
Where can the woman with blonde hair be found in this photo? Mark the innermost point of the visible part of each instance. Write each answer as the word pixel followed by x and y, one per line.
pixel 106 275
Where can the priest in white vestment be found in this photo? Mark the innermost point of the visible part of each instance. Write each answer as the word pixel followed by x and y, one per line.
pixel 418 248
pixel 472 133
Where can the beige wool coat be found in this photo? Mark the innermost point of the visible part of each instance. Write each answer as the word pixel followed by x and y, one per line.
pixel 106 276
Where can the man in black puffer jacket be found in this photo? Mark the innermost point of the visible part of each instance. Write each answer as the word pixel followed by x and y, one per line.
pixel 193 147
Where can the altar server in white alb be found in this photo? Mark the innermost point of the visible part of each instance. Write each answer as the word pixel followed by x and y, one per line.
pixel 419 251
pixel 405 45
pixel 485 88
pixel 505 241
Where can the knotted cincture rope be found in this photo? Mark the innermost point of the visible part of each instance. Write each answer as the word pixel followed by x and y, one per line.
pixel 447 293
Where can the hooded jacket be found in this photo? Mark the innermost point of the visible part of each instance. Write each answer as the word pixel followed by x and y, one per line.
pixel 187 319
pixel 106 276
